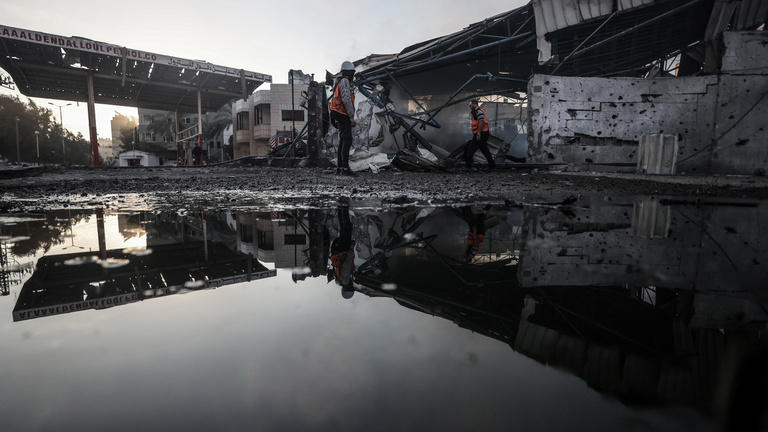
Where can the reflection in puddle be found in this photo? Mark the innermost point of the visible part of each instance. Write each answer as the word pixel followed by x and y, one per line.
pixel 650 301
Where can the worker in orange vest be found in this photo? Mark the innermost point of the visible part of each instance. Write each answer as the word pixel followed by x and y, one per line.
pixel 343 115
pixel 476 235
pixel 343 254
pixel 480 134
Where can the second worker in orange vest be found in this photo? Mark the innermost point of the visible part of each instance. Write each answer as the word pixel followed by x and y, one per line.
pixel 343 115
pixel 480 134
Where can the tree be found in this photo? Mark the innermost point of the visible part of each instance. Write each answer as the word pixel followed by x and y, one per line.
pixel 216 122
pixel 129 139
pixel 77 150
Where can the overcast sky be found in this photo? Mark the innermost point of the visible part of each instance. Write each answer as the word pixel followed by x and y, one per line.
pixel 266 37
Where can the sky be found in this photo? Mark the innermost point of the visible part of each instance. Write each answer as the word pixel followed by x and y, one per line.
pixel 266 37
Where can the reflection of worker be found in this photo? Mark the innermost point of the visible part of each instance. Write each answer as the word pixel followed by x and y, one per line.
pixel 343 115
pixel 476 235
pixel 343 254
pixel 197 155
pixel 480 133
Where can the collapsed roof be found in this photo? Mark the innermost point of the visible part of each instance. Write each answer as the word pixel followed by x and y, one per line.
pixel 577 38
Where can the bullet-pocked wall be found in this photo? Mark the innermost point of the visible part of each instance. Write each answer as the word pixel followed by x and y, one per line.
pixel 719 119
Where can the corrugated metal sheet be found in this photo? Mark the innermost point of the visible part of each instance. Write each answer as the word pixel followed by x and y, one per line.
pixel 554 15
pixel 739 15
pixel 751 14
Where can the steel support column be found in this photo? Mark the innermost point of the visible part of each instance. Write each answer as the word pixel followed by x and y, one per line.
pixel 200 125
pixel 92 123
pixel 100 232
pixel 176 137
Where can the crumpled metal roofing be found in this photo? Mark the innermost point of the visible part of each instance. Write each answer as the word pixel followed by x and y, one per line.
pixel 554 15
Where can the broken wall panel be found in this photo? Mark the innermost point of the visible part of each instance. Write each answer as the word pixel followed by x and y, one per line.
pixel 606 245
pixel 745 52
pixel 601 120
pixel 719 119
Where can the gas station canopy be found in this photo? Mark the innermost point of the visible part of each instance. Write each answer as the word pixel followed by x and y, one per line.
pixel 57 67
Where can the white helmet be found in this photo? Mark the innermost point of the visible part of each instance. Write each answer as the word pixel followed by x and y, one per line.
pixel 347 66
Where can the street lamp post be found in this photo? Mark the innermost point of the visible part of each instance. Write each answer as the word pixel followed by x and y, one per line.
pixel 37 145
pixel 18 148
pixel 293 113
pixel 61 125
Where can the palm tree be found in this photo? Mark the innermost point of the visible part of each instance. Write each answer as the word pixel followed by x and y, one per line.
pixel 215 123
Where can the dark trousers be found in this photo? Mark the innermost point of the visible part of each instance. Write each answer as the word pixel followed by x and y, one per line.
pixel 344 241
pixel 472 147
pixel 343 124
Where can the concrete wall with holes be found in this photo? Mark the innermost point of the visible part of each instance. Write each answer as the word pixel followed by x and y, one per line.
pixel 720 120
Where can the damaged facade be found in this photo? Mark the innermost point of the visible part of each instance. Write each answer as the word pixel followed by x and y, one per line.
pixel 718 120
pixel 580 84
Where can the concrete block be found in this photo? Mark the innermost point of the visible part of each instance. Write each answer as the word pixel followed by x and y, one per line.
pixel 657 154
pixel 651 219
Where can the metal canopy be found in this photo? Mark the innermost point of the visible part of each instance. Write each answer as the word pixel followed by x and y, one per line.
pixel 57 67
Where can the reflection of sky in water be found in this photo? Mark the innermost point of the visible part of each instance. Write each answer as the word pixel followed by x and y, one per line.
pixel 280 355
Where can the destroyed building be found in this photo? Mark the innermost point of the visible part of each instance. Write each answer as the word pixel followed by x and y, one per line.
pixel 658 86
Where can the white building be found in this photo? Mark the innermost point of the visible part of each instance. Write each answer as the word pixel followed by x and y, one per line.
pixel 272 239
pixel 138 158
pixel 106 148
pixel 264 114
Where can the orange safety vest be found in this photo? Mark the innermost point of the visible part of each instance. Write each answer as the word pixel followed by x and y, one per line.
pixel 337 261
pixel 475 122
pixel 337 104
pixel 475 240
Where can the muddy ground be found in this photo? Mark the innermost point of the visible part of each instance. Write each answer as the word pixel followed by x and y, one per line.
pixel 267 187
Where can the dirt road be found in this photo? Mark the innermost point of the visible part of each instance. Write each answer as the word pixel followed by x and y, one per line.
pixel 239 187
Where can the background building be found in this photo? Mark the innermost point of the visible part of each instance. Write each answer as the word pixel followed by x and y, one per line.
pixel 138 158
pixel 267 112
pixel 107 148
pixel 120 123
pixel 157 133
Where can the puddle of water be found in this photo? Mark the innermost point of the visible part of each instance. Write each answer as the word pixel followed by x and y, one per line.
pixel 647 313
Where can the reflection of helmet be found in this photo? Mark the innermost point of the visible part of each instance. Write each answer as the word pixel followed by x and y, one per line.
pixel 347 66
pixel 347 291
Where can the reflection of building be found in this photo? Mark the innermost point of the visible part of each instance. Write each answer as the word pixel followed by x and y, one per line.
pixel 76 282
pixel 273 238
pixel 712 247
pixel 131 225
pixel 641 301
pixel 11 271
pixel 264 114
